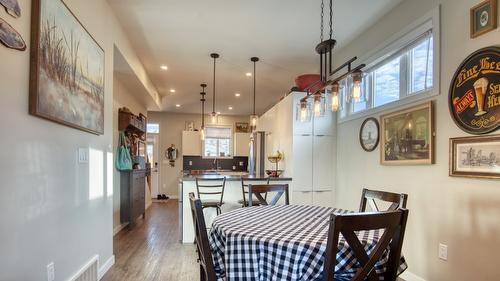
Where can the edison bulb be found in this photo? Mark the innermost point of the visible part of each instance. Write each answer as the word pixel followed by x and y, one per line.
pixel 335 102
pixel 356 91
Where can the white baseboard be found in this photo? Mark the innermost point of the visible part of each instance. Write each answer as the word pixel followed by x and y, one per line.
pixel 105 267
pixel 119 228
pixel 408 276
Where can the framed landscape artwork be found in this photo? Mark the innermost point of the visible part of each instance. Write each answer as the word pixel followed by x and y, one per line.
pixel 476 157
pixel 407 136
pixel 67 69
pixel 242 127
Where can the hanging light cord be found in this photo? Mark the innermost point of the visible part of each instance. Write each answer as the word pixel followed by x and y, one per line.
pixel 213 105
pixel 331 16
pixel 203 105
pixel 321 26
pixel 254 81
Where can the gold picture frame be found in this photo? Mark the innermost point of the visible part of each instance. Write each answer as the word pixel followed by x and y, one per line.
pixel 475 157
pixel 407 136
pixel 483 18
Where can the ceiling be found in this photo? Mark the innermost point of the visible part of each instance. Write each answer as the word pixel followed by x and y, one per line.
pixel 282 33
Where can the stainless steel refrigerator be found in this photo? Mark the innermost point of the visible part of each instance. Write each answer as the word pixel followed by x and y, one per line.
pixel 257 155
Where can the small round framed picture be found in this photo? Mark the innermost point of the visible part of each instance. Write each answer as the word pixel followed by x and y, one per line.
pixel 369 134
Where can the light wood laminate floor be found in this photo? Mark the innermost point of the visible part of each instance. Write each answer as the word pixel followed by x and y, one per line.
pixel 151 250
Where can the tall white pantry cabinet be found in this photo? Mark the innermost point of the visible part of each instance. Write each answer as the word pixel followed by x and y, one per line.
pixel 308 147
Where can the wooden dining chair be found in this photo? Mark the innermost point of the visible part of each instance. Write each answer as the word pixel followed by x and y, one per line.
pixel 244 189
pixel 392 222
pixel 207 271
pixel 257 190
pixel 398 200
pixel 211 187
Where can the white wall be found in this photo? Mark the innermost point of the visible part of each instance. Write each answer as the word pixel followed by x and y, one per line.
pixel 171 127
pixel 46 211
pixel 462 213
pixel 122 97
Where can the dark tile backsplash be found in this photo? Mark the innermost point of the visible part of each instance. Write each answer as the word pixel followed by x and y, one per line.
pixel 198 163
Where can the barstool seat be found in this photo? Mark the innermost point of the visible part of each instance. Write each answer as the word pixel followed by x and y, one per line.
pixel 243 203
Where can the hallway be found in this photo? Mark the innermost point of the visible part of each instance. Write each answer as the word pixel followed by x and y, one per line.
pixel 151 250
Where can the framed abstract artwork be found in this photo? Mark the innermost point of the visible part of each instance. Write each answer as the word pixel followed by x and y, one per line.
pixel 67 69
pixel 407 136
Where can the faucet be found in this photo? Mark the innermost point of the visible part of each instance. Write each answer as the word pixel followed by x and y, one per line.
pixel 216 164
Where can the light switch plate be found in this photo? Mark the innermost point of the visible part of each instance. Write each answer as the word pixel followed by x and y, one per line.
pixel 83 155
pixel 51 275
pixel 443 252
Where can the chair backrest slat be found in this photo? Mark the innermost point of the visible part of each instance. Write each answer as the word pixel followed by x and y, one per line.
pixel 201 239
pixel 368 196
pixel 217 188
pixel 257 190
pixel 244 188
pixel 392 222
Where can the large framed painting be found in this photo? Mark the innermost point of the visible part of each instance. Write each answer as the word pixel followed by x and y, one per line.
pixel 474 98
pixel 407 136
pixel 67 69
pixel 475 157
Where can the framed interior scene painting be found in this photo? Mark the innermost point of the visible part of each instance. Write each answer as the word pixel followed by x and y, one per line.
pixel 475 157
pixel 67 69
pixel 407 136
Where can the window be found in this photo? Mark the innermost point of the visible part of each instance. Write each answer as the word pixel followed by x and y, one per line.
pixel 218 142
pixel 404 69
pixel 153 128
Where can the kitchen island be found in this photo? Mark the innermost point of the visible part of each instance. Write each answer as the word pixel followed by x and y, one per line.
pixel 232 194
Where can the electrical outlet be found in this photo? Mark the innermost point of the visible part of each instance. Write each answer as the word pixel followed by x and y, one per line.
pixel 241 163
pixel 190 163
pixel 83 155
pixel 443 252
pixel 51 274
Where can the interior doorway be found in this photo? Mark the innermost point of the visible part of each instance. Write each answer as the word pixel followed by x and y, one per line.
pixel 152 146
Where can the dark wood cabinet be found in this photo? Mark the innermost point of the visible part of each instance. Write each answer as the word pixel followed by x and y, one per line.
pixel 132 195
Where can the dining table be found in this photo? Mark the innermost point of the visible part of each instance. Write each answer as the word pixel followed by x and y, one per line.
pixel 284 242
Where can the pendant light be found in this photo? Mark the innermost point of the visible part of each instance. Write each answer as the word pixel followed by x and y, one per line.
pixel 325 49
pixel 254 117
pixel 215 56
pixel 202 131
pixel 335 103
pixel 356 93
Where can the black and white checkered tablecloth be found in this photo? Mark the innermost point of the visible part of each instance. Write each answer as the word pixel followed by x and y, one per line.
pixel 282 243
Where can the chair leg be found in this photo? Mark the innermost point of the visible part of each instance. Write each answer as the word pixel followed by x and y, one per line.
pixel 202 273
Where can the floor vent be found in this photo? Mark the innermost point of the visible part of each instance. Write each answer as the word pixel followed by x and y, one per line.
pixel 88 272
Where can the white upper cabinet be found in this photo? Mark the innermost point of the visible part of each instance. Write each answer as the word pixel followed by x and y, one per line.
pixel 323 125
pixel 191 143
pixel 323 162
pixel 303 163
pixel 300 128
pixel 242 144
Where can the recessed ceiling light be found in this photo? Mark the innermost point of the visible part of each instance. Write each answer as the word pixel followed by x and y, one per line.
pixel 248 74
pixel 164 67
pixel 230 108
pixel 172 90
pixel 237 95
pixel 177 105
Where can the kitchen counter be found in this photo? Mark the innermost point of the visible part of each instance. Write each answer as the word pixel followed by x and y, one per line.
pixel 234 177
pixel 232 194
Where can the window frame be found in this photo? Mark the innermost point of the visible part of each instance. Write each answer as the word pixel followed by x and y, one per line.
pixel 231 143
pixel 400 44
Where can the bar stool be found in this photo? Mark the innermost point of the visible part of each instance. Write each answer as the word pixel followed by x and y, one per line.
pixel 244 189
pixel 211 187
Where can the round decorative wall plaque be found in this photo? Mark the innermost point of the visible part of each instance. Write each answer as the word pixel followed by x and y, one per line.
pixel 368 134
pixel 474 97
